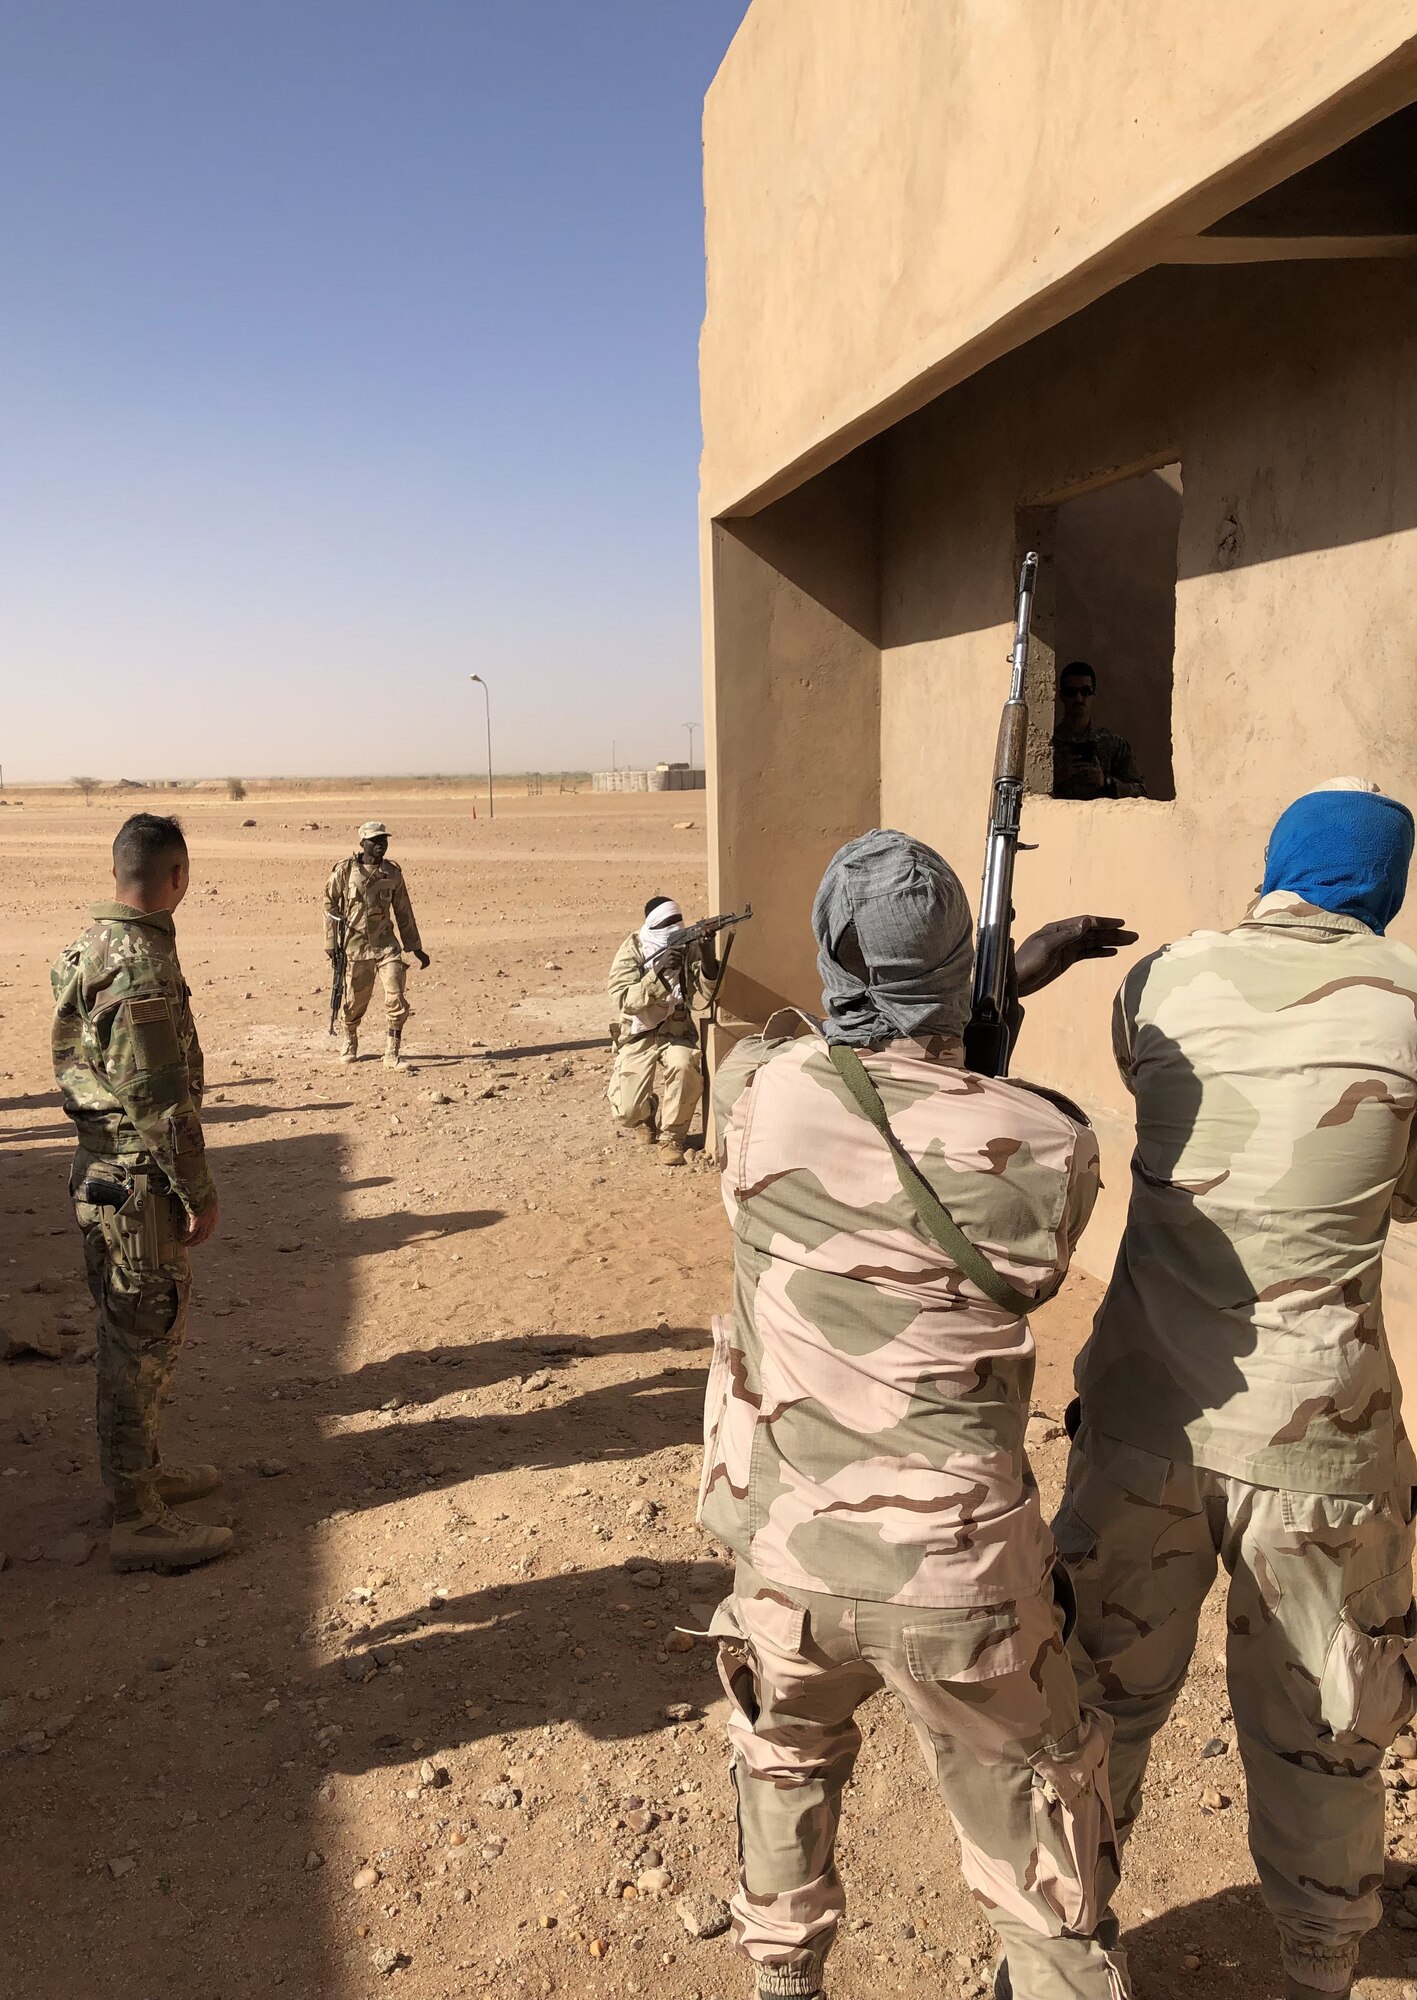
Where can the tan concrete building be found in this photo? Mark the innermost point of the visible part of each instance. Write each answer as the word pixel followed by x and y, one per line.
pixel 1135 285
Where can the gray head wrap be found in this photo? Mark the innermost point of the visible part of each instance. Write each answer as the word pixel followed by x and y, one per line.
pixel 902 909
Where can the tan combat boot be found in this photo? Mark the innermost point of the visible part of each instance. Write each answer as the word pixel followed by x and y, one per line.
pixel 641 1135
pixel 177 1484
pixel 164 1541
pixel 349 1046
pixel 671 1144
pixel 392 1058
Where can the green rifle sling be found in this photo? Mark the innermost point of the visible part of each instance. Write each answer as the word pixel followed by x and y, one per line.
pixel 927 1204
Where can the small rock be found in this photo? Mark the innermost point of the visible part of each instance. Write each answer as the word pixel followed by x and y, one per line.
pixel 434 1775
pixel 43 1342
pixel 1042 1429
pixel 74 1550
pixel 647 1577
pixel 680 1711
pixel 288 1245
pixel 121 1865
pixel 685 825
pixel 640 1819
pixel 1217 1747
pixel 1213 1801
pixel 653 1882
pixel 540 1380
pixel 1405 1745
pixel 248 822
pixel 386 1959
pixel 355 1666
pixel 703 1916
pixel 366 1877
pixel 270 1468
pixel 313 1860
pixel 679 1642
pixel 1191 1962
pixel 503 1797
pixel 552 966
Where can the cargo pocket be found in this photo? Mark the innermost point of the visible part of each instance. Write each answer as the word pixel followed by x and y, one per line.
pixel 1368 1688
pixel 1076 1540
pixel 1072 1823
pixel 982 1643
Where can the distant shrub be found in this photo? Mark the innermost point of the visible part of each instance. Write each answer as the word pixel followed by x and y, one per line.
pixel 235 788
pixel 88 786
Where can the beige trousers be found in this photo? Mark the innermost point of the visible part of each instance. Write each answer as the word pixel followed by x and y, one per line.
pixel 991 1696
pixel 650 1068
pixel 1320 1652
pixel 359 978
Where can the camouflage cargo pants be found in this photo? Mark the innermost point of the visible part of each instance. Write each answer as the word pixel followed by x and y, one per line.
pixel 991 1696
pixel 1320 1657
pixel 359 978
pixel 139 1276
pixel 650 1068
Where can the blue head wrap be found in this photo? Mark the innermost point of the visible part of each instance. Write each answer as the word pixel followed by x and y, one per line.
pixel 1343 849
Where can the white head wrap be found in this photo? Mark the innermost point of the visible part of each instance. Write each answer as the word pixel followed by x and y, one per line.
pixel 664 918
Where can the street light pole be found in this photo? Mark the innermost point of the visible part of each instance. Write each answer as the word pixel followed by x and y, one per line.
pixel 487 702
pixel 691 727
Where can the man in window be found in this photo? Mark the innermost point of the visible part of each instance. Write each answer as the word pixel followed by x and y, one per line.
pixel 1088 762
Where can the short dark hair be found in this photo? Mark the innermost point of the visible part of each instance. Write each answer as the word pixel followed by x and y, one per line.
pixel 146 846
pixel 1079 667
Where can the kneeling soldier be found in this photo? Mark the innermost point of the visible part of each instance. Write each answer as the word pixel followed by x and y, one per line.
pixel 866 1419
pixel 656 1039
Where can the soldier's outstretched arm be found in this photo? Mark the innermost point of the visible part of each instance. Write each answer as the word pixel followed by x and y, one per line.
pixel 144 1068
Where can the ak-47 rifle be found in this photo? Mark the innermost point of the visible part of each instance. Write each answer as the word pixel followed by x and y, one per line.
pixel 699 933
pixel 337 972
pixel 988 1035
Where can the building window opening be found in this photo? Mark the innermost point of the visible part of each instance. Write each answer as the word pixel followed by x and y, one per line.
pixel 1104 630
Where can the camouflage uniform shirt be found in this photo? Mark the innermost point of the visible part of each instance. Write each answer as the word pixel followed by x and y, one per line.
pixel 371 897
pixel 866 1410
pixel 651 1005
pixel 126 1056
pixel 1275 1075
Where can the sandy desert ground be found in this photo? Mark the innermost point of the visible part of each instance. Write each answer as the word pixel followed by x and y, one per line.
pixel 427 1732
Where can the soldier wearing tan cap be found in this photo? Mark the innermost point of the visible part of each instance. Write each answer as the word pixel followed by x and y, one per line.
pixel 367 909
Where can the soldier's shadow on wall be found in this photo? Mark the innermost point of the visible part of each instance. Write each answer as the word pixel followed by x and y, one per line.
pixel 1206 1252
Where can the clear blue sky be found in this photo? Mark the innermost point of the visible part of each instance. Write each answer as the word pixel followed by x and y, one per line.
pixel 347 348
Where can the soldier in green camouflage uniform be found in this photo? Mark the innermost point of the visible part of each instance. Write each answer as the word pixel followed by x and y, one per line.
pixel 129 1069
pixel 864 1446
pixel 365 897
pixel 1239 1405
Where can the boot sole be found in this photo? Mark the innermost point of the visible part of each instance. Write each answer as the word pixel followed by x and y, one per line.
pixel 165 1565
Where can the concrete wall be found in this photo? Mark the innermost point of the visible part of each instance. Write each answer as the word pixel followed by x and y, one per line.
pixel 792 715
pixel 1289 395
pixel 899 191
